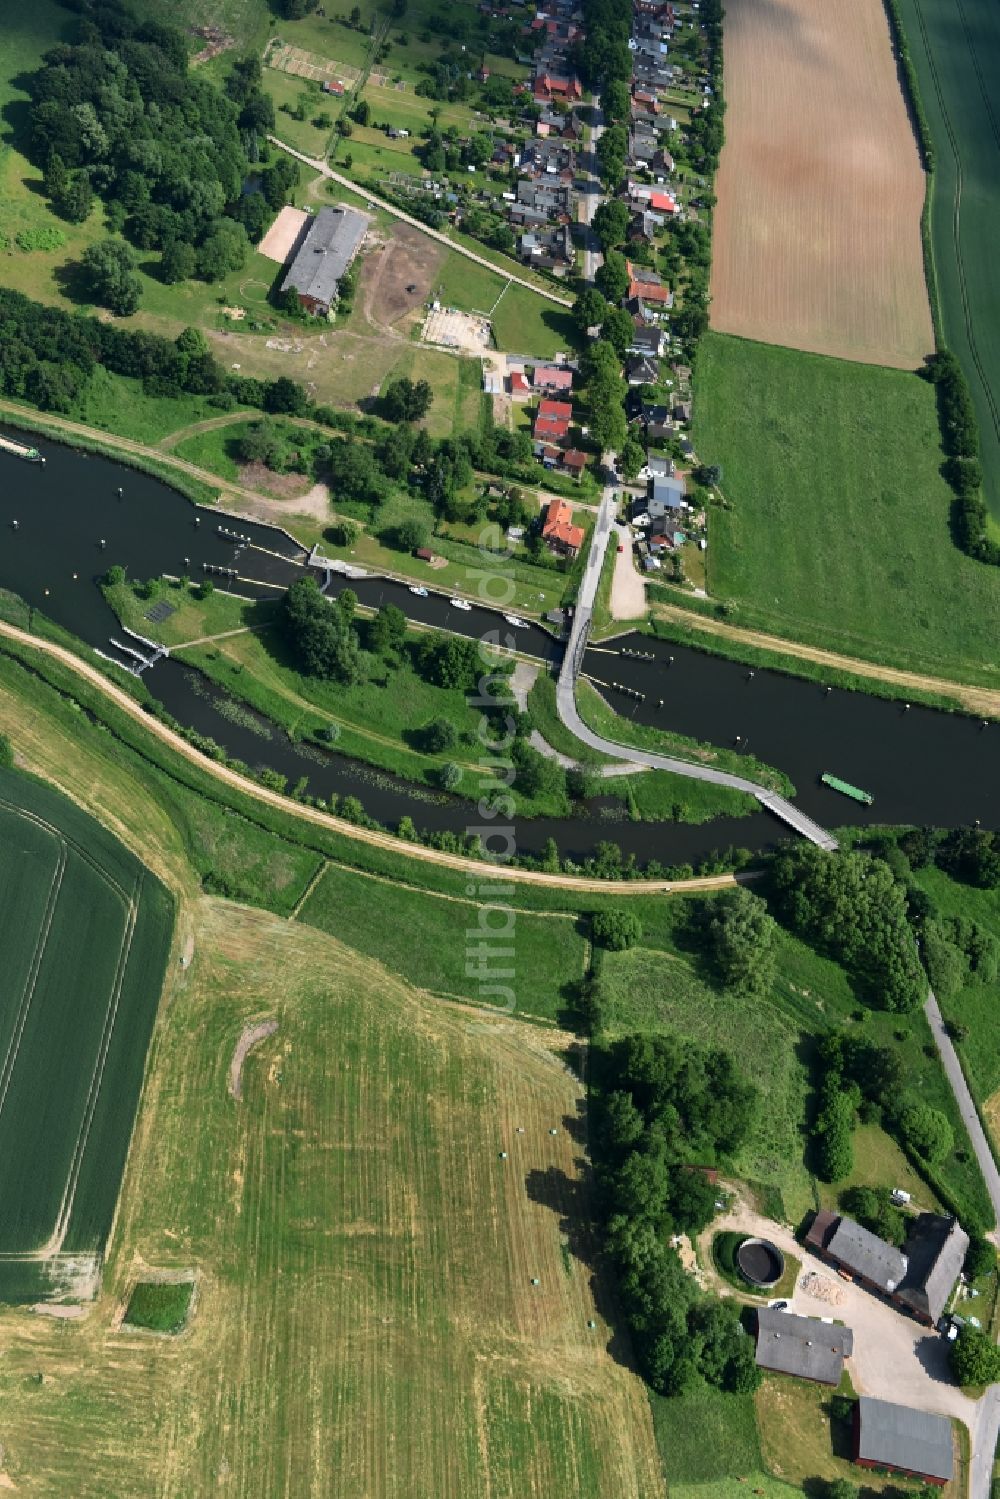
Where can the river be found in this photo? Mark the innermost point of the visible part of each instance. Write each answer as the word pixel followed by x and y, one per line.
pixel 78 514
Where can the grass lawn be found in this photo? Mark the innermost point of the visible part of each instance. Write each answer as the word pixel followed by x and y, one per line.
pixel 710 1448
pixel 839 528
pixel 162 1306
pixel 526 324
pixel 879 1162
pixel 424 938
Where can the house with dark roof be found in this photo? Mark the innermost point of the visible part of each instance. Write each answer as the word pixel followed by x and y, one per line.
pixel 804 1346
pixel 333 240
pixel 903 1440
pixel 935 1251
pixel 640 369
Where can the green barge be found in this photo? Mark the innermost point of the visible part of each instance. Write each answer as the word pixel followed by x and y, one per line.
pixel 846 789
pixel 20 449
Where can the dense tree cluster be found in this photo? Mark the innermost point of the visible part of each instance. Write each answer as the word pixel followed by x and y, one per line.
pixel 850 906
pixel 47 356
pixel 666 1103
pixel 741 939
pixel 855 1075
pixel 404 400
pixel 320 631
pixel 975 1358
pixel 874 1209
pixel 118 114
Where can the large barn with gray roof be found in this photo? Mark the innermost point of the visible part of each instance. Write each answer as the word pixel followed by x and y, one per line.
pixel 323 257
pixel 904 1440
pixel 805 1346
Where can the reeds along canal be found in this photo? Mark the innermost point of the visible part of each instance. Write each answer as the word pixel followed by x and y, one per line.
pixel 78 514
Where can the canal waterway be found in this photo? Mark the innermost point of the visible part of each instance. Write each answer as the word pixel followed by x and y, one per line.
pixel 78 514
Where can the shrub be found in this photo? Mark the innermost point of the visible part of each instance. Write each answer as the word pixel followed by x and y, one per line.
pixel 616 930
pixel 926 1131
pixel 975 1358
pixel 980 1259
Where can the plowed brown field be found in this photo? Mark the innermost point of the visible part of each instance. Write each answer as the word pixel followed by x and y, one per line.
pixel 820 187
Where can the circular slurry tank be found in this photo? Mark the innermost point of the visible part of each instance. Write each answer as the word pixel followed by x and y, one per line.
pixel 760 1262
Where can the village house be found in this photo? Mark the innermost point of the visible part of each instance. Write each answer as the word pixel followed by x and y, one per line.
pixel 552 377
pixel 650 341
pixel 549 250
pixel 666 496
pixel 323 257
pixel 547 88
pixel 558 531
pixel 641 370
pixel 552 421
pixel 803 1346
pixel 903 1440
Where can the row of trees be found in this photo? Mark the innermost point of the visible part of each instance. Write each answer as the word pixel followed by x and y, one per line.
pixel 665 1102
pixel 963 470
pixel 47 356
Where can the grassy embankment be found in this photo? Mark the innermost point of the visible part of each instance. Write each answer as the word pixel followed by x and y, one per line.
pixel 838 531
pixel 974 1007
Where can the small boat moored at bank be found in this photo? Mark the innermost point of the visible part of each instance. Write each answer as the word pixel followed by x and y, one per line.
pixel 846 789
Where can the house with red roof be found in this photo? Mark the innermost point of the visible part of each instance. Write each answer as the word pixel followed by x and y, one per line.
pixel 549 378
pixel 558 530
pixel 573 461
pixel 662 203
pixel 550 428
pixel 555 408
pixel 548 88
pixel 520 386
pixel 648 291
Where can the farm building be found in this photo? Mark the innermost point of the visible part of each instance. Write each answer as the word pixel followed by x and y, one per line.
pixel 804 1346
pixel 558 530
pixel 904 1440
pixel 333 240
pixel 918 1278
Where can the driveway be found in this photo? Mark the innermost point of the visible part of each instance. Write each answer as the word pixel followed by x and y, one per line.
pixel 628 589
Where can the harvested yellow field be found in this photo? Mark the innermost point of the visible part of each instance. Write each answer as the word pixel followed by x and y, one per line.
pixel 820 186
pixel 365 1319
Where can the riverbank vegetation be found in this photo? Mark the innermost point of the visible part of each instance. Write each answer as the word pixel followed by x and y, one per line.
pixel 852 451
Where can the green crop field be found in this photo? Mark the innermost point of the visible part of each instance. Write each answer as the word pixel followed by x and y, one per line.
pixel 84 930
pixel 838 531
pixel 956 52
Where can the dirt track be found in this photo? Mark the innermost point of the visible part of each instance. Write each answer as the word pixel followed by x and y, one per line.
pixel 820 188
pixel 348 829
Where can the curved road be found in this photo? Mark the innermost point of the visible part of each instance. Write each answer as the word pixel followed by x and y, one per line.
pixel 370 197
